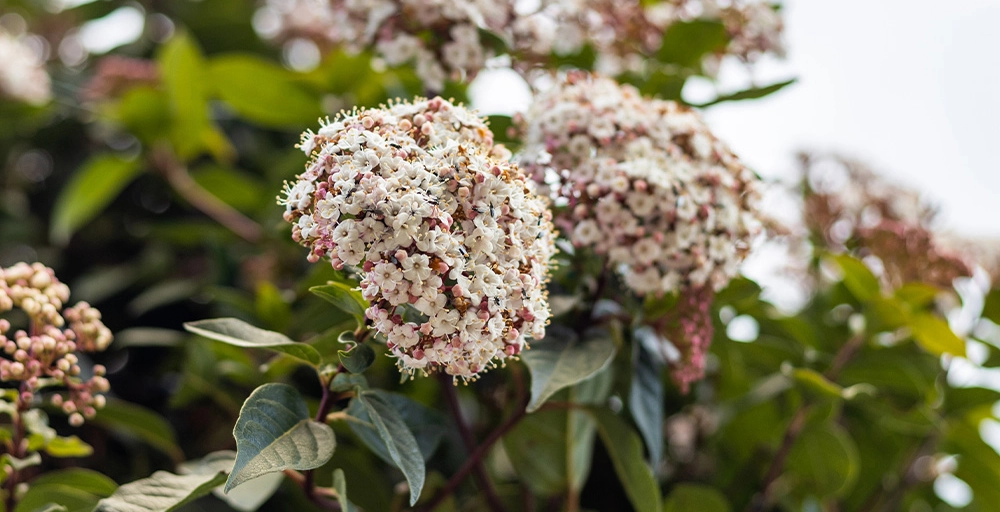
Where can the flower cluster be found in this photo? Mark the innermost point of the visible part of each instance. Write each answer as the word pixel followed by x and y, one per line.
pixel 451 241
pixel 47 349
pixel 22 73
pixel 443 37
pixel 645 184
pixel 852 208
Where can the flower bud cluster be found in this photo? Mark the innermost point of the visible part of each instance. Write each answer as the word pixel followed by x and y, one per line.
pixel 451 241
pixel 48 349
pixel 443 39
pixel 22 72
pixel 644 183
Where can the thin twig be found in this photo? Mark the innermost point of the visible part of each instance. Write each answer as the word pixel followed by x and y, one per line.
pixel 451 396
pixel 325 403
pixel 181 181
pixel 798 423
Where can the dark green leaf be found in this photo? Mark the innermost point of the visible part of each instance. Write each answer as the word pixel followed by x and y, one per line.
pixel 562 359
pixel 344 297
pixel 241 334
pixel 749 94
pixel 625 449
pixel 398 439
pixel 138 421
pixel 77 489
pixel 249 495
pixel 690 497
pixel 934 335
pixel 823 461
pixel 686 43
pixel 162 492
pixel 261 91
pixel 358 359
pixel 646 397
pixel 274 433
pixel 991 307
pixel 92 188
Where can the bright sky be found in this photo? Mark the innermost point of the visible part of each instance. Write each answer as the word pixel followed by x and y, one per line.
pixel 906 85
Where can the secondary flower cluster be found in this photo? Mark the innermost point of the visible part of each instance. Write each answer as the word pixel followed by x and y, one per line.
pixel 47 349
pixel 452 243
pixel 443 36
pixel 22 73
pixel 644 182
pixel 853 208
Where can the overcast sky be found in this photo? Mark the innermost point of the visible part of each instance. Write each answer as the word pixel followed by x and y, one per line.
pixel 910 86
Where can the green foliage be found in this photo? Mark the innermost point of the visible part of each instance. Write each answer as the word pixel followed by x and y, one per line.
pixel 646 396
pixel 93 187
pixel 684 497
pixel 625 448
pixel 686 43
pixel 395 436
pixel 346 298
pixel 135 420
pixel 563 359
pixel 76 489
pixel 276 99
pixel 357 360
pixel 161 492
pixel 274 432
pixel 241 334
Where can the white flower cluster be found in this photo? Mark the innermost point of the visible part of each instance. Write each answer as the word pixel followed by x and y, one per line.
pixel 453 244
pixel 442 37
pixel 22 73
pixel 46 349
pixel 644 183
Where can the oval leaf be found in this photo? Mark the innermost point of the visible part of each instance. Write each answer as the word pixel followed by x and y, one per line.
pixel 563 359
pixel 344 297
pixel 246 497
pixel 76 489
pixel 645 400
pixel 162 492
pixel 858 278
pixel 625 449
pixel 358 359
pixel 934 335
pixel 92 188
pixel 143 423
pixel 397 437
pixel 275 99
pixel 241 334
pixel 274 433
pixel 824 461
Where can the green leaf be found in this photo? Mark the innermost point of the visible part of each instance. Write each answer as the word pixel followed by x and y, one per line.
pixel 91 189
pixel 687 497
pixel 344 297
pixel 77 490
pixel 274 433
pixel 140 422
pixel 934 335
pixel 858 279
pixel 358 359
pixel 917 295
pixel 625 449
pixel 991 306
pixel 68 447
pixel 182 67
pixel 340 485
pixel 161 492
pixel 749 94
pixel 241 334
pixel 237 188
pixel 645 399
pixel 32 459
pixel 823 461
pixel 275 98
pixel 249 495
pixel 686 43
pixel 814 382
pixel 563 359
pixel 51 507
pixel 397 437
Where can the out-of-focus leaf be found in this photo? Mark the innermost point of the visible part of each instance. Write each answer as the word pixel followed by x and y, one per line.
pixel 686 43
pixel 563 359
pixel 275 99
pixel 427 425
pixel 148 337
pixel 271 307
pixel 823 461
pixel 92 188
pixel 163 294
pixel 991 306
pixel 241 334
pixel 749 94
pixel 396 437
pixel 934 335
pixel 690 497
pixel 625 449
pixel 76 489
pixel 340 485
pixel 917 295
pixel 274 432
pixel 346 298
pixel 236 188
pixel 182 68
pixel 132 419
pixel 858 279
pixel 145 112
pixel 161 492
pixel 646 399
pixel 815 383
pixel 71 446
pixel 978 462
pixel 246 497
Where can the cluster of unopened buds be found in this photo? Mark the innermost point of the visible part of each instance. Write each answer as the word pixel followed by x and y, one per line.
pixel 645 185
pixel 443 37
pixel 45 354
pixel 451 241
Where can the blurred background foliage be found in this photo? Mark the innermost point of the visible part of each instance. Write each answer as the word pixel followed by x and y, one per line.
pixel 148 183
